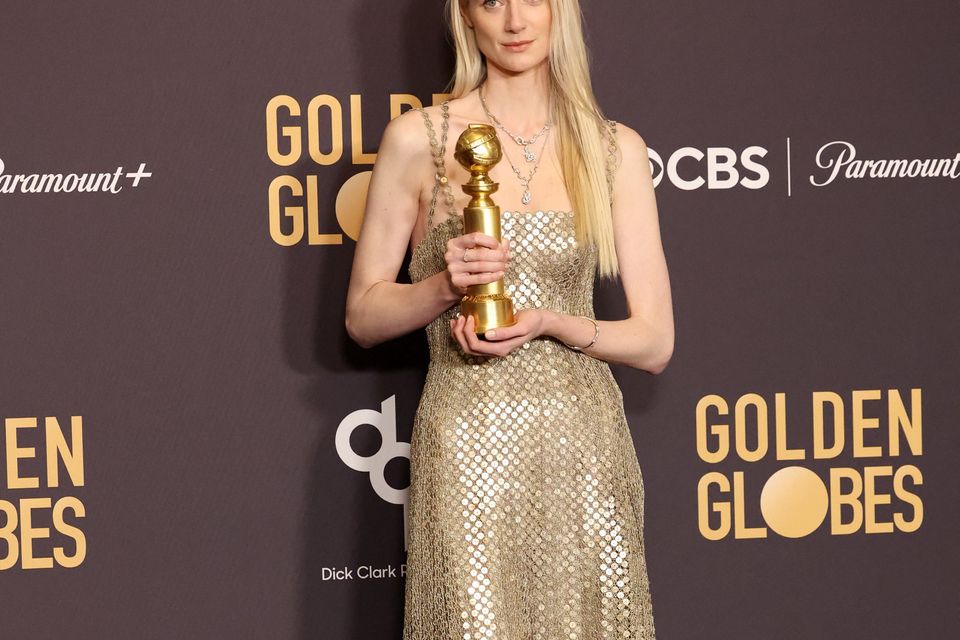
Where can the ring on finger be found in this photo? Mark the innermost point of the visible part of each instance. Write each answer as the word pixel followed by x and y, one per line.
pixel 465 259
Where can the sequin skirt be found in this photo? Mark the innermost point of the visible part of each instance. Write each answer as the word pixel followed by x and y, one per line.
pixel 526 502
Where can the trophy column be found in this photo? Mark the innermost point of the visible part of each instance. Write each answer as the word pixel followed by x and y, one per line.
pixel 478 150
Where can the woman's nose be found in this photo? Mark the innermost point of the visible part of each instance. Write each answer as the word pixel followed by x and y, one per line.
pixel 515 20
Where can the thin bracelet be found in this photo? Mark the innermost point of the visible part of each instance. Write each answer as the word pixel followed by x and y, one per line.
pixel 596 334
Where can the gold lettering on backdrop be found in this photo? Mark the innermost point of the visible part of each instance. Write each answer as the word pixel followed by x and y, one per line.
pixel 79 539
pixel 356 133
pixel 291 134
pixel 24 542
pixel 840 499
pixel 873 497
pixel 295 209
pixel 8 534
pixel 741 530
pixel 899 521
pixel 861 423
pixel 705 506
pixel 29 533
pixel 783 452
pixel 334 125
pixel 313 217
pixel 912 426
pixel 820 450
pixel 719 431
pixel 57 450
pixel 294 213
pixel 795 501
pixel 863 497
pixel 760 426
pixel 15 453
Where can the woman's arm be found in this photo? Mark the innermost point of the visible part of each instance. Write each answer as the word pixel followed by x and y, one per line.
pixel 379 308
pixel 643 340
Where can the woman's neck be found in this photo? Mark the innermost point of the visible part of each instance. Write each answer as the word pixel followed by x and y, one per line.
pixel 520 101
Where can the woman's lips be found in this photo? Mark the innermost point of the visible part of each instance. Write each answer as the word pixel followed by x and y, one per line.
pixel 518 46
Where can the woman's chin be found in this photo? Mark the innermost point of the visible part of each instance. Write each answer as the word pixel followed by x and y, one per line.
pixel 516 65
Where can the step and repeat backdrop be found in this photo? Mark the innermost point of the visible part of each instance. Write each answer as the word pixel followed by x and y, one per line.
pixel 193 448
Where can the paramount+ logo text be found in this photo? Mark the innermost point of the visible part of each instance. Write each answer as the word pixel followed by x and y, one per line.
pixel 850 468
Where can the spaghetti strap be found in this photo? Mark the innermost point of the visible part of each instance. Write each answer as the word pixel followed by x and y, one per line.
pixel 439 151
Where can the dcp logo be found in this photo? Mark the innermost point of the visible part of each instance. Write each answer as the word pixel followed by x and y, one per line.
pixel 385 422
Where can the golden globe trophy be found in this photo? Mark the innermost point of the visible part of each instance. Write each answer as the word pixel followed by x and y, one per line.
pixel 478 150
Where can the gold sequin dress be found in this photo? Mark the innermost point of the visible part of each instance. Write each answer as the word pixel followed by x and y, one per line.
pixel 526 497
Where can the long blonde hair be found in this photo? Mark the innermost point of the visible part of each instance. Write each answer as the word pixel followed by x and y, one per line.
pixel 580 124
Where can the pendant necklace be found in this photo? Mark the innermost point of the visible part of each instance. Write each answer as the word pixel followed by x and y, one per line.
pixel 526 144
pixel 528 153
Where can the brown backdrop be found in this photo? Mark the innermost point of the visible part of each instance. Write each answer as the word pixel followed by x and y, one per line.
pixel 209 369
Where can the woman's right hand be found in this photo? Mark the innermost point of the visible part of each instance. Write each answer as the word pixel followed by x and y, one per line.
pixel 486 260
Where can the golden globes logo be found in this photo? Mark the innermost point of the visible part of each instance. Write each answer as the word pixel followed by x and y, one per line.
pixel 796 500
pixel 296 214
pixel 25 537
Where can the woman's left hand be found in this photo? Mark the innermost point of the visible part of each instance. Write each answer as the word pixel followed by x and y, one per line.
pixel 501 341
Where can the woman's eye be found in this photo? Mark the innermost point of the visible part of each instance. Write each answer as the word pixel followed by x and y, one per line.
pixel 491 3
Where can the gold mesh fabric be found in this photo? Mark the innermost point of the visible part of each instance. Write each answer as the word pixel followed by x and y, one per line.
pixel 526 496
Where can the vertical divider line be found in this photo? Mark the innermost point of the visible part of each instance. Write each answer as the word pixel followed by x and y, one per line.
pixel 789 177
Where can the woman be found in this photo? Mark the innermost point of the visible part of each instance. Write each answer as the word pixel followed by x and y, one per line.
pixel 526 496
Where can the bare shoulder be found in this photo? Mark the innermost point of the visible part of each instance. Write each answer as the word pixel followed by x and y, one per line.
pixel 406 136
pixel 632 146
pixel 413 127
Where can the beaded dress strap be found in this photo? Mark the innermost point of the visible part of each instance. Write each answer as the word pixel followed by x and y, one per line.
pixel 439 151
pixel 612 160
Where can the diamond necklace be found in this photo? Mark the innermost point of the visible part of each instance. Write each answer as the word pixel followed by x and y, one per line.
pixel 526 144
pixel 527 196
pixel 524 181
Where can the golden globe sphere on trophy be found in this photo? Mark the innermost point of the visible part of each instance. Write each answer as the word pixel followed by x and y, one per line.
pixel 478 151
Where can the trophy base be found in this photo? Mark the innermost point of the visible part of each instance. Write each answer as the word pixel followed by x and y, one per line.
pixel 489 312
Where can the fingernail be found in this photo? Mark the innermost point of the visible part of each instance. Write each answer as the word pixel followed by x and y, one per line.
pixel 492 333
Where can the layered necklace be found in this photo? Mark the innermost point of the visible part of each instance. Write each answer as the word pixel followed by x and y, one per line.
pixel 527 145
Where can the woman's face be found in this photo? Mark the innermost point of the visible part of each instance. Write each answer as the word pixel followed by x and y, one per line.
pixel 514 35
